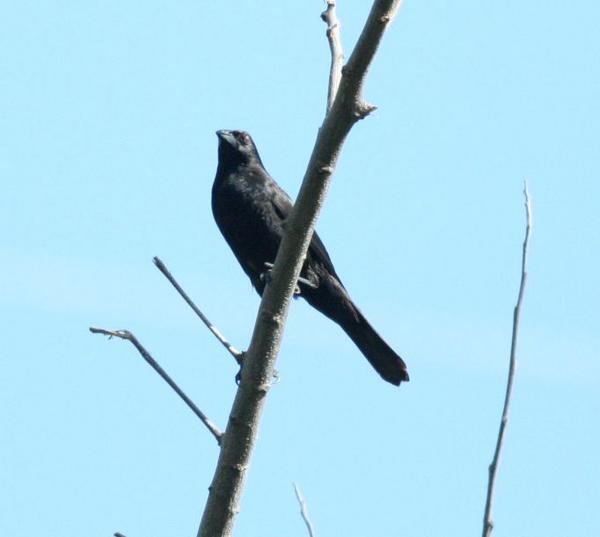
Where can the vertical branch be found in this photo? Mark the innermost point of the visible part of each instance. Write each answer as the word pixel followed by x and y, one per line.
pixel 488 524
pixel 329 17
pixel 304 512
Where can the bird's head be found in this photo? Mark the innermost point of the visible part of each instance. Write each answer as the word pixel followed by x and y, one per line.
pixel 236 148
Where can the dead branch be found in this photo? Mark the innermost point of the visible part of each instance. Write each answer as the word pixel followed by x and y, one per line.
pixel 304 512
pixel 488 524
pixel 127 335
pixel 259 362
pixel 329 17
pixel 238 355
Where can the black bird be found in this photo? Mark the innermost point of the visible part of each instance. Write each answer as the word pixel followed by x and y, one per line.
pixel 250 209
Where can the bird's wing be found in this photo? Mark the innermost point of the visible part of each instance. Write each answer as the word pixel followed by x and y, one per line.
pixel 316 251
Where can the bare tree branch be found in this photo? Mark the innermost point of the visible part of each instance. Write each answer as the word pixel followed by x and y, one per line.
pixel 329 17
pixel 238 441
pixel 488 524
pixel 127 335
pixel 238 355
pixel 304 512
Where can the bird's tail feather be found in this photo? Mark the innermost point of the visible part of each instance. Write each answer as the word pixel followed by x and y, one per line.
pixel 380 355
pixel 331 299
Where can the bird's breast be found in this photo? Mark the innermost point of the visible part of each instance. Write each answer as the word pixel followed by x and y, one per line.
pixel 244 215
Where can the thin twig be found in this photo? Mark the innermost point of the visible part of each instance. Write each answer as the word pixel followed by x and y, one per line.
pixel 238 355
pixel 329 17
pixel 127 335
pixel 488 524
pixel 304 512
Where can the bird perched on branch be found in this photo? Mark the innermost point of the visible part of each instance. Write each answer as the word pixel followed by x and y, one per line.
pixel 250 209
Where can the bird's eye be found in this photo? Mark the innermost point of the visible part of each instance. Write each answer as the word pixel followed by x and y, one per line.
pixel 242 138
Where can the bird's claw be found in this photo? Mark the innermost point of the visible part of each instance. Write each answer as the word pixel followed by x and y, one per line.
pixel 265 277
pixel 308 283
pixel 238 375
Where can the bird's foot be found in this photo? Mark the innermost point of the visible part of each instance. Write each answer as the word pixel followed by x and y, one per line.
pixel 238 376
pixel 307 282
pixel 265 277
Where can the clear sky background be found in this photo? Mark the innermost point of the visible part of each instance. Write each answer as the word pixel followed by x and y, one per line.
pixel 107 156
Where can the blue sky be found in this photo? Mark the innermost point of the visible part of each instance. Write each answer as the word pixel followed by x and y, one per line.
pixel 107 156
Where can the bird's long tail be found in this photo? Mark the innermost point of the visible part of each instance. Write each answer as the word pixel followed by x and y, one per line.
pixel 333 301
pixel 380 355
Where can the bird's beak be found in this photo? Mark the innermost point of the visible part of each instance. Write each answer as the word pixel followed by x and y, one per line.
pixel 226 136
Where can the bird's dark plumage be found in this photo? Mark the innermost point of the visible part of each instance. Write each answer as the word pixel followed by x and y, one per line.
pixel 250 209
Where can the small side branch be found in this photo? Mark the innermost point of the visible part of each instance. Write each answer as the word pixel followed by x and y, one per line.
pixel 238 355
pixel 304 512
pixel 488 524
pixel 127 335
pixel 329 17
